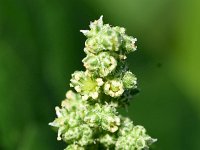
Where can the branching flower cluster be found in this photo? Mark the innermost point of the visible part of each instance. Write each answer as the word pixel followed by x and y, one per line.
pixel 88 117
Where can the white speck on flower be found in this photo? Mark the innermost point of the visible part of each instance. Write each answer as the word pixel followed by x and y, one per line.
pixel 69 94
pixel 85 97
pixel 99 81
pixel 106 87
pixel 113 129
pixel 95 95
pixel 84 31
pixel 77 88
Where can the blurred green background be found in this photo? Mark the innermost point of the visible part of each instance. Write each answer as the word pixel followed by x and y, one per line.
pixel 40 46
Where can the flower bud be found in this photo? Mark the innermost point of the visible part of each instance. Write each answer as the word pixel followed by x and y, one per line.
pixel 129 80
pixel 129 43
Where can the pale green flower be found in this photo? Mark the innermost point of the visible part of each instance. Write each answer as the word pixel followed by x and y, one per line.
pixel 68 118
pixel 109 119
pixel 126 126
pixel 129 80
pixel 107 63
pixel 104 116
pixel 108 140
pixel 103 37
pixel 72 134
pixel 114 88
pixel 110 123
pixel 92 118
pixel 110 39
pixel 87 135
pixel 120 30
pixel 129 43
pixel 132 137
pixel 101 64
pixel 91 62
pixel 86 85
pixel 106 38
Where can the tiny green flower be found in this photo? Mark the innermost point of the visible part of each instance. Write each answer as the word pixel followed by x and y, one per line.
pixel 129 43
pixel 86 85
pixel 103 116
pixel 104 38
pixel 72 134
pixel 92 119
pixel 134 137
pixel 110 39
pixel 126 126
pixel 87 135
pixel 114 88
pixel 110 123
pixel 101 64
pixel 91 62
pixel 107 64
pixel 140 143
pixel 129 80
pixel 107 140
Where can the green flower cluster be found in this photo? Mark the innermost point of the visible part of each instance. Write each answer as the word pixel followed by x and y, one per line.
pixel 88 118
pixel 103 37
pixel 132 137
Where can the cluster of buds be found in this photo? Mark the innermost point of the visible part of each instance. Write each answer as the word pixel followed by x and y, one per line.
pixel 88 117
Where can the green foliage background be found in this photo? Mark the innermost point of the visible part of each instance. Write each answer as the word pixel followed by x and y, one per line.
pixel 40 46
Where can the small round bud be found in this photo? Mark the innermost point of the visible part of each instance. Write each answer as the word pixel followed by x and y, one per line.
pixel 129 80
pixel 129 43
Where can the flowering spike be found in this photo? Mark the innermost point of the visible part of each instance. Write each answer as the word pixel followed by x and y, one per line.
pixel 88 118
